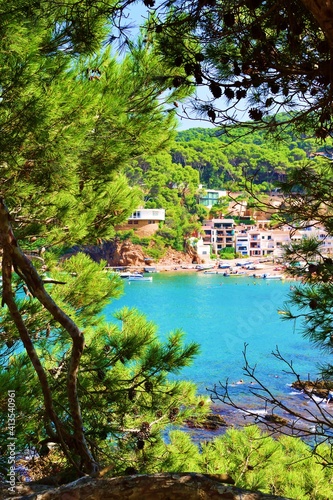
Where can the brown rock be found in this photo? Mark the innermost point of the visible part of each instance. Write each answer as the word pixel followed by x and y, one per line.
pixel 276 419
pixel 127 254
pixel 319 388
pixel 169 486
pixel 210 422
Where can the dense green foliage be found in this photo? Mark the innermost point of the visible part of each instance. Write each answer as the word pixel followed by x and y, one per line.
pixel 73 117
pixel 308 203
pixel 256 461
pixel 170 186
pixel 215 160
pixel 224 162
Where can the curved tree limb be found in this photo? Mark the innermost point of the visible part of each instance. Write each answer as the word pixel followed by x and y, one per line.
pixel 13 255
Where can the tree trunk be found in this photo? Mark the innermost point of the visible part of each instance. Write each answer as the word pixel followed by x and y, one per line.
pixel 322 11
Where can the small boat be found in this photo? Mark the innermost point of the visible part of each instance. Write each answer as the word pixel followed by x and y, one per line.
pixel 272 276
pixel 140 277
pixel 234 275
pixel 204 267
pixel 126 274
pixel 150 270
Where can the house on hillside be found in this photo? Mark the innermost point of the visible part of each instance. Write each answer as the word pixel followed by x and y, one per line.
pixel 237 205
pixel 282 237
pixel 242 240
pixel 202 249
pixel 210 197
pixel 261 243
pixel 144 221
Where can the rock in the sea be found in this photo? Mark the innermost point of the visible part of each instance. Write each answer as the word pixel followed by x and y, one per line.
pixel 276 419
pixel 210 422
pixel 319 388
pixel 127 254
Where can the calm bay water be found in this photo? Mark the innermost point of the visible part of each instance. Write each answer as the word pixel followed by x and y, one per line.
pixel 221 314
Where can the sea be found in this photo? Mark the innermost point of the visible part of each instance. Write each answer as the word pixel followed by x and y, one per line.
pixel 224 315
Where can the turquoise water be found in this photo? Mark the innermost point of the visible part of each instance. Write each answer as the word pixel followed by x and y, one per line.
pixel 221 314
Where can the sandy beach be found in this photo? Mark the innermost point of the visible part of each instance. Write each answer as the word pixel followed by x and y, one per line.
pixel 237 266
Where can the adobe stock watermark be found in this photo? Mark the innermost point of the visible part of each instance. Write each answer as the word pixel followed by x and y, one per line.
pixel 11 447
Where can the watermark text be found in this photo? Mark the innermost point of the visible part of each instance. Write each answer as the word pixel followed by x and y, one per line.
pixel 11 447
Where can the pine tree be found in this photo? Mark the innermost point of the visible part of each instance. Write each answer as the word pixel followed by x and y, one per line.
pixel 72 117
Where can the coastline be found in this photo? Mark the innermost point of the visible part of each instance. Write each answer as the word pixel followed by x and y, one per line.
pixel 269 267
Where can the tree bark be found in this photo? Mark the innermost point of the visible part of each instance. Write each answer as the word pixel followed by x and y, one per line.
pixel 322 11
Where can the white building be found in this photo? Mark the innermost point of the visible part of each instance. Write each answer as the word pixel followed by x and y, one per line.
pixel 318 232
pixel 144 221
pixel 242 241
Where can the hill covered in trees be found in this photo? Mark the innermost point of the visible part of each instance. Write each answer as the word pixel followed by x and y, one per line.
pixel 223 160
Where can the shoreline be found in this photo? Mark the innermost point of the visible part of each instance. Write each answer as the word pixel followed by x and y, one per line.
pixel 269 267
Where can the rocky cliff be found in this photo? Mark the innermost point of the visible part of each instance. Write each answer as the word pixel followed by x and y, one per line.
pixel 125 253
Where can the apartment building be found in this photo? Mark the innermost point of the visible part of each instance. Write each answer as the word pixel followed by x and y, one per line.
pixel 220 233
pixel 253 241
pixel 261 243
pixel 315 231
pixel 242 240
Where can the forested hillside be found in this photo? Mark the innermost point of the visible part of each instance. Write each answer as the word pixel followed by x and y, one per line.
pixel 222 161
